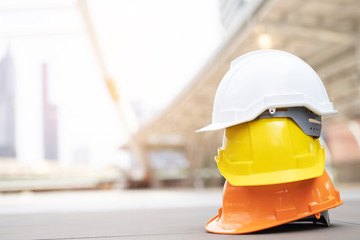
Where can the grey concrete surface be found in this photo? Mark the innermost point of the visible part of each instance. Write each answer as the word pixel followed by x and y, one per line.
pixel 176 222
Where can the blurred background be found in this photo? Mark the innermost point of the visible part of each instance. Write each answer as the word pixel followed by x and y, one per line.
pixel 108 94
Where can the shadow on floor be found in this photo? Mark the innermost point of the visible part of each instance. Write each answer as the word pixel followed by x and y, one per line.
pixel 295 227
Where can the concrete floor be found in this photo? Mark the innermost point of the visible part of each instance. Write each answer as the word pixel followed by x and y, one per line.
pixel 96 215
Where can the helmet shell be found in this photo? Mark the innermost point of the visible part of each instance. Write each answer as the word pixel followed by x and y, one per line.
pixel 266 79
pixel 252 208
pixel 269 151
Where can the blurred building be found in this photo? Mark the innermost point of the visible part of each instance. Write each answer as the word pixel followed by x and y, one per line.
pixel 229 11
pixel 7 107
pixel 50 123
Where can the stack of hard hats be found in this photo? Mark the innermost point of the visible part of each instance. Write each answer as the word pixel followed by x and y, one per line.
pixel 270 104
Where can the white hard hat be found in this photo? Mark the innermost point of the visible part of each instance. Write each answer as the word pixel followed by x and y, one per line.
pixel 266 79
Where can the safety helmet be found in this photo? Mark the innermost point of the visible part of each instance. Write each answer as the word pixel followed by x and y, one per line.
pixel 269 151
pixel 252 208
pixel 266 79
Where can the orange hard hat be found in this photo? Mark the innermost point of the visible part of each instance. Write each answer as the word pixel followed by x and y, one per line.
pixel 252 208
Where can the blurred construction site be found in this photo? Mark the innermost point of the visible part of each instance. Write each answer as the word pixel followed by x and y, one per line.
pixel 108 94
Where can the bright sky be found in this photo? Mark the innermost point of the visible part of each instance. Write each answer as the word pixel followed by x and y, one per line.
pixel 152 49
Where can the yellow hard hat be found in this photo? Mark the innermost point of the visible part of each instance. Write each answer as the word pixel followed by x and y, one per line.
pixel 269 151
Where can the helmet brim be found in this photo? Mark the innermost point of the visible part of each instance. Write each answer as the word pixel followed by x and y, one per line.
pixel 215 126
